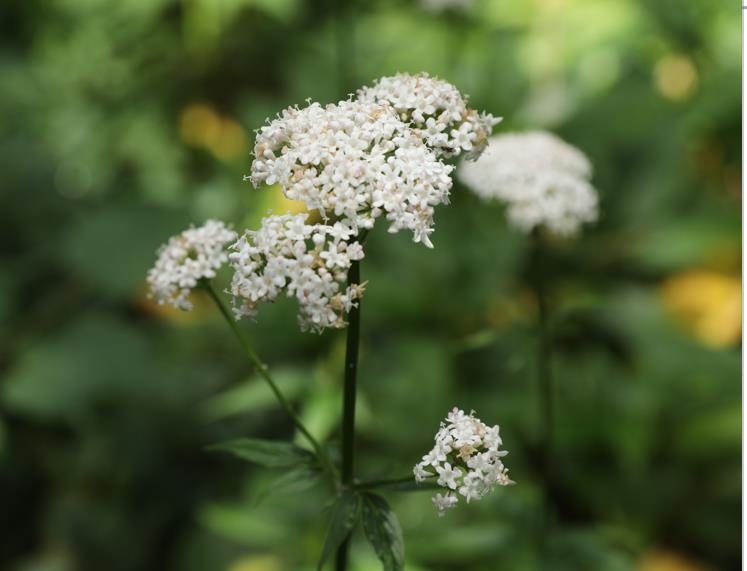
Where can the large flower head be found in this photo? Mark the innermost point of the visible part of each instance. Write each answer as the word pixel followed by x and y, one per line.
pixel 309 261
pixel 436 110
pixel 195 254
pixel 542 180
pixel 466 460
pixel 353 162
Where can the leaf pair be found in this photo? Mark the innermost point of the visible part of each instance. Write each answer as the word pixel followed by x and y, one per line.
pixel 380 525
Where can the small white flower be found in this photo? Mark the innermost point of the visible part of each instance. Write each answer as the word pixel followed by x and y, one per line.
pixel 542 180
pixel 187 258
pixel 467 460
pixel 444 502
pixel 436 455
pixel 421 473
pixel 447 476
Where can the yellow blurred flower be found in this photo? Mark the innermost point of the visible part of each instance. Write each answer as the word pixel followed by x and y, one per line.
pixel 675 77
pixel 281 204
pixel 257 563
pixel 659 560
pixel 707 303
pixel 200 125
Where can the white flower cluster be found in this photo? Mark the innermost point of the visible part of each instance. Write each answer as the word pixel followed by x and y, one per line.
pixel 379 154
pixel 309 261
pixel 466 459
pixel 436 111
pixel 541 179
pixel 353 161
pixel 195 254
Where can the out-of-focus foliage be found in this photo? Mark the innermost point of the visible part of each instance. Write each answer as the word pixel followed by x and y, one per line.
pixel 124 121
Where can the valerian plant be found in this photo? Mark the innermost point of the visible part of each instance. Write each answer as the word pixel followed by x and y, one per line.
pixel 380 154
pixel 544 184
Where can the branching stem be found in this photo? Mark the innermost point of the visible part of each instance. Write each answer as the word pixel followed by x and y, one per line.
pixel 265 374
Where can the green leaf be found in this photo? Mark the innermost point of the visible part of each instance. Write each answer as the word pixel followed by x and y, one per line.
pixel 254 395
pixel 292 481
pixel 384 532
pixel 268 453
pixel 296 480
pixel 345 514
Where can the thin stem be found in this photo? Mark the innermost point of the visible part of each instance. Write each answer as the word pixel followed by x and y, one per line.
pixel 546 408
pixel 265 374
pixel 544 379
pixel 348 403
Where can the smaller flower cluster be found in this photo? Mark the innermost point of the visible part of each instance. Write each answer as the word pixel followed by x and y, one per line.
pixel 435 110
pixel 308 261
pixel 195 254
pixel 542 180
pixel 466 459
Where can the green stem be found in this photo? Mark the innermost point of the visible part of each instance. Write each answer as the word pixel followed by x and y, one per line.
pixel 373 484
pixel 546 409
pixel 265 374
pixel 376 483
pixel 348 403
pixel 544 379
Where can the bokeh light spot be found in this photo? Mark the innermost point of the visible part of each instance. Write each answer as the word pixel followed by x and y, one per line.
pixel 669 561
pixel 708 304
pixel 200 125
pixel 675 77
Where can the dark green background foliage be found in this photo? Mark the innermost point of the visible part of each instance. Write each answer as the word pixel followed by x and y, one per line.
pixel 122 122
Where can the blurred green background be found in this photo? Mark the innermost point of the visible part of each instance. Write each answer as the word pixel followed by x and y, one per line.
pixel 122 122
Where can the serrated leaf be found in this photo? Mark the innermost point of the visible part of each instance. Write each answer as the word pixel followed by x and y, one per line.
pixel 270 453
pixel 297 480
pixel 293 480
pixel 384 532
pixel 344 516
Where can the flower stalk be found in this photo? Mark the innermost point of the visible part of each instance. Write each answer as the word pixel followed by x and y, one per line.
pixel 545 400
pixel 265 374
pixel 348 403
pixel 546 408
